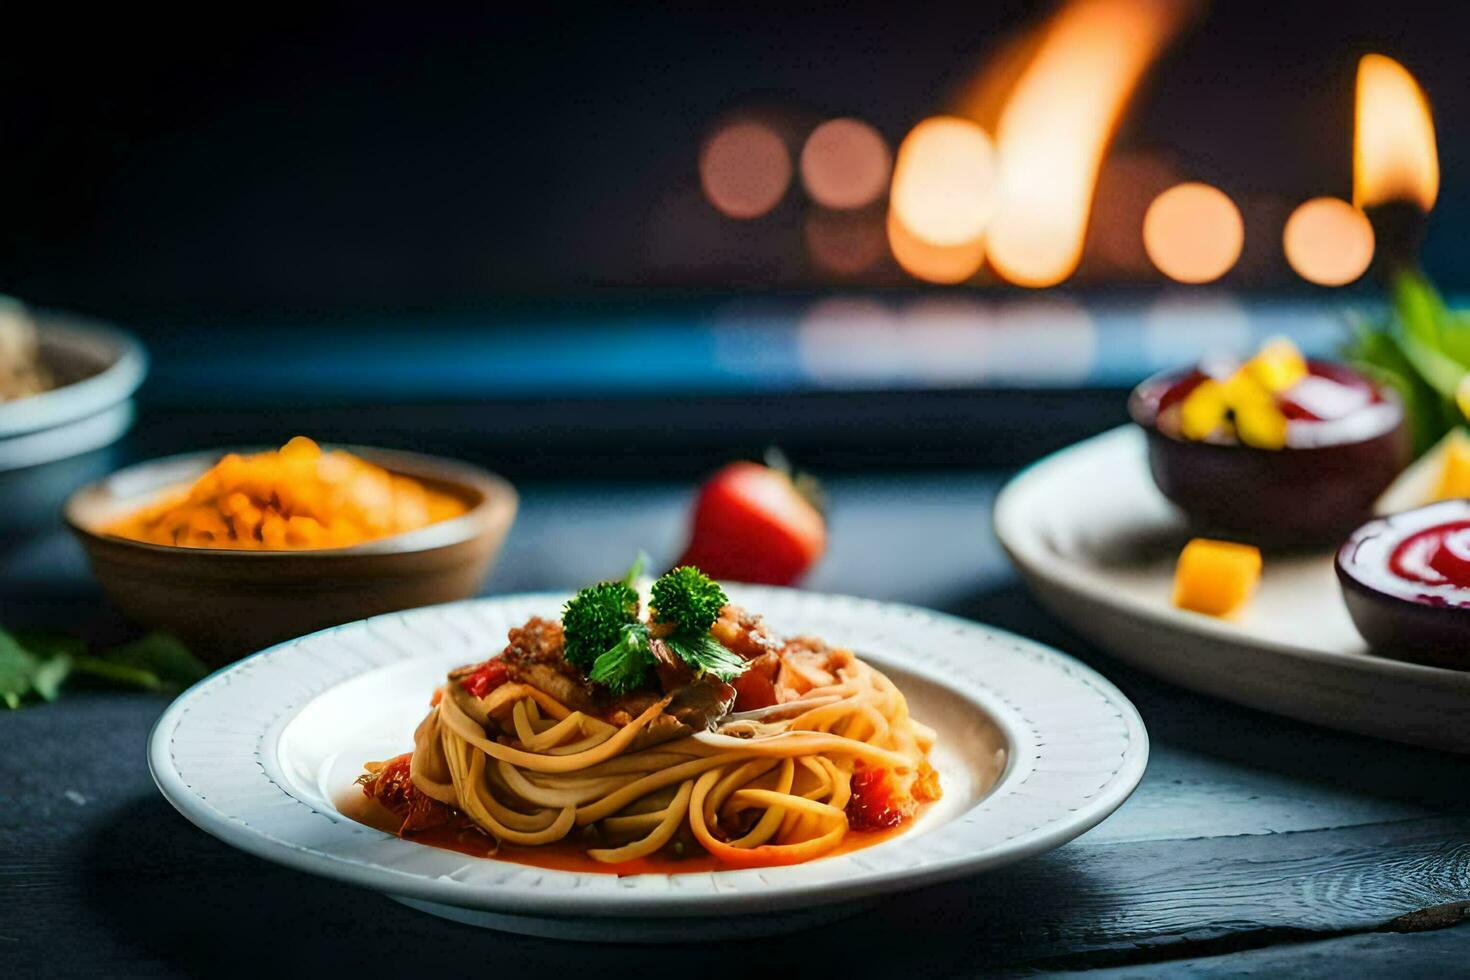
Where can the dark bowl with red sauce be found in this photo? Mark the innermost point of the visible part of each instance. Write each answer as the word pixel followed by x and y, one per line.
pixel 1406 582
pixel 1346 442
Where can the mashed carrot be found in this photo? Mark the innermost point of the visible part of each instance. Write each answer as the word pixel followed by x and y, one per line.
pixel 295 498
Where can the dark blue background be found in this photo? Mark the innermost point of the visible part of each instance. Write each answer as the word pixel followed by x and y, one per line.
pixel 167 167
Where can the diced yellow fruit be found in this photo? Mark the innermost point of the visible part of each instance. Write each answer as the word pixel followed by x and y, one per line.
pixel 1242 388
pixel 1216 577
pixel 1454 472
pixel 1277 366
pixel 1203 410
pixel 1260 425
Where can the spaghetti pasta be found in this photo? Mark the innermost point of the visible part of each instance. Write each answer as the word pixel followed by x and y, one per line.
pixel 769 784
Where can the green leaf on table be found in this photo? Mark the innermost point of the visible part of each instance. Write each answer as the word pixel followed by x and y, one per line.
pixel 121 675
pixel 17 668
pixel 48 645
pixel 50 674
pixel 40 663
pixel 155 662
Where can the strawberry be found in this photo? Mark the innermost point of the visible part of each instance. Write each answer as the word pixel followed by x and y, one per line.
pixel 752 524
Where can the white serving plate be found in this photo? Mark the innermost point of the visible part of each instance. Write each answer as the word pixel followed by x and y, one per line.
pixel 1034 749
pixel 1096 542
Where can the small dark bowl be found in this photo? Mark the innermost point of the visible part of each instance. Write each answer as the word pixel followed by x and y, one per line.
pixel 225 604
pixel 1396 616
pixel 1306 497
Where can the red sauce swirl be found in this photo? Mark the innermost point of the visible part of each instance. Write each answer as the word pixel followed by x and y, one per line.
pixel 1438 555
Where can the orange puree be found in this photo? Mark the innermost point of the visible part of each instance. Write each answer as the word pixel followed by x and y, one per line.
pixel 295 498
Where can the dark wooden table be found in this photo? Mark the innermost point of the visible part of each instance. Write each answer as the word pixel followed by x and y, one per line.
pixel 1254 845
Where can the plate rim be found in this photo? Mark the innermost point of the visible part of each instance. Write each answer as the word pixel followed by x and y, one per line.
pixel 1118 785
pixel 1025 551
pixel 115 383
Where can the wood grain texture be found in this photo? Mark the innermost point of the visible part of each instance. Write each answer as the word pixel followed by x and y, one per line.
pixel 1432 956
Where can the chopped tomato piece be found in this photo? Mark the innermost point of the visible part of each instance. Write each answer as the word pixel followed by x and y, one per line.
pixel 756 688
pixel 878 801
pixel 486 678
pixel 393 787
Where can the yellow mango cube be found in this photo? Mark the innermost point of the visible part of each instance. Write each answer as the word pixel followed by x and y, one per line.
pixel 1216 577
pixel 1454 472
pixel 1277 365
pixel 1203 410
pixel 1261 424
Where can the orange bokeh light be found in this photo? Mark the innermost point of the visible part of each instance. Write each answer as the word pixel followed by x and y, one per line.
pixel 745 169
pixel 845 164
pixel 1193 233
pixel 944 182
pixel 944 264
pixel 1394 153
pixel 1328 241
pixel 1056 125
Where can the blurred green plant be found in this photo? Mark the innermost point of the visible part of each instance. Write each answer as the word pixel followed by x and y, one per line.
pixel 1422 350
pixel 36 665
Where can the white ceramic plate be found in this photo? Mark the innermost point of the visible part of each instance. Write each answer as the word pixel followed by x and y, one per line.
pixel 1034 749
pixel 1096 542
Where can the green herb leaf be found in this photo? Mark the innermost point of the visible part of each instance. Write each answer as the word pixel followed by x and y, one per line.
pixel 121 675
pixel 1421 350
pixel 50 674
pixel 17 668
pixel 706 655
pixel 635 570
pixel 689 599
pixel 161 655
pixel 627 664
pixel 40 663
pixel 47 645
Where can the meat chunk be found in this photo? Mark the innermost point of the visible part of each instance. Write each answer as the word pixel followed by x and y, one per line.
pixel 756 688
pixel 744 633
pixel 535 655
pixel 539 641
pixel 808 662
pixel 702 702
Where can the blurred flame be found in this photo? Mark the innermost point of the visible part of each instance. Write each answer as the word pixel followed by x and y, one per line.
pixel 944 181
pixel 745 169
pixel 1328 241
pixel 1056 125
pixel 1394 154
pixel 1193 232
pixel 944 264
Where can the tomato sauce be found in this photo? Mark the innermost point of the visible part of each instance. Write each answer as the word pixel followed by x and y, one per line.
pixel 570 854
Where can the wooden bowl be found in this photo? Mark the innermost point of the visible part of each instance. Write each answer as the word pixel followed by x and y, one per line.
pixel 225 604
